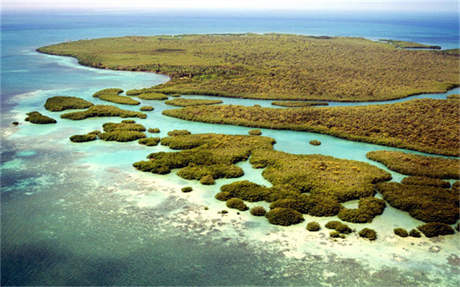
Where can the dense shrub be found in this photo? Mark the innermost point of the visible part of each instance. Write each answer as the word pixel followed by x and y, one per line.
pixel 315 142
pixel 146 108
pixel 174 133
pixel 192 102
pixel 207 180
pixel 336 234
pixel 149 141
pixel 300 204
pixel 215 170
pixel 154 130
pixel 368 208
pixel 368 233
pixel 122 136
pixel 103 111
pixel 426 203
pixel 338 226
pixel 257 210
pixel 113 95
pixel 423 180
pixel 83 138
pixel 415 233
pixel 58 103
pixel 38 118
pixel 237 204
pixel 255 132
pixel 246 190
pixel 313 226
pixel 401 232
pixel 129 125
pixel 187 189
pixel 284 216
pixel 223 196
pixel 433 229
pixel 152 96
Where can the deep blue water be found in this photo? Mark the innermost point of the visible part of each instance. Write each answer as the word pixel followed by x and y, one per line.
pixel 62 222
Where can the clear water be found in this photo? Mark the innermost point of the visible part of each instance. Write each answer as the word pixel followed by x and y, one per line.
pixel 79 214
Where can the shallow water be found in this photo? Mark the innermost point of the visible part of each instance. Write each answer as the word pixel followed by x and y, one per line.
pixel 80 214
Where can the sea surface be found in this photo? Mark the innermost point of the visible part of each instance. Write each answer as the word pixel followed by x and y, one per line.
pixel 80 214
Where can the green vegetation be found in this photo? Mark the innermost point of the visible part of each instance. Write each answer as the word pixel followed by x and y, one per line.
pixel 255 132
pixel 237 203
pixel 419 165
pixel 423 180
pixel 273 66
pixel 38 118
pixel 216 171
pixel 192 102
pixel 336 234
pixel 433 229
pixel 187 189
pixel 258 211
pixel 313 226
pixel 15 123
pixel 415 233
pixel 122 132
pixel 453 97
pixel 153 96
pixel 401 232
pixel 298 104
pixel 410 45
pixel 284 216
pixel 426 203
pixel 174 133
pixel 245 190
pixel 58 103
pixel 154 130
pixel 103 111
pixel 368 233
pixel 368 208
pixel 338 226
pixel 146 108
pixel 431 126
pixel 83 138
pixel 207 180
pixel 113 95
pixel 315 142
pixel 149 141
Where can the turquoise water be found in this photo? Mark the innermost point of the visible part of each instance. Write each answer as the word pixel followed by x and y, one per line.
pixel 80 214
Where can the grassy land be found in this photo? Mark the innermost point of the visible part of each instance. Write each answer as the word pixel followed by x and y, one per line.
pixel 430 126
pixel 273 66
pixel 292 104
pixel 58 103
pixel 192 102
pixel 113 95
pixel 103 111
pixel 419 165
pixel 410 45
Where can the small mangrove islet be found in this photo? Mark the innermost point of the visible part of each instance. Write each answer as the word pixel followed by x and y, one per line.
pixel 37 118
pixel 292 104
pixel 146 109
pixel 103 111
pixel 433 229
pixel 61 103
pixel 192 102
pixel 113 95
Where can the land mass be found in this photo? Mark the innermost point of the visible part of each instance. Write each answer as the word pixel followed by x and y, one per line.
pixel 273 66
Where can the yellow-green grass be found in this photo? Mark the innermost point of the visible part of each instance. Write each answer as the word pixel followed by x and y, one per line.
pixel 426 125
pixel 112 95
pixel 273 66
pixel 427 181
pixel 152 96
pixel 103 111
pixel 410 45
pixel 191 102
pixel 61 103
pixel 149 141
pixel 426 203
pixel 418 165
pixel 146 108
pixel 297 104
pixel 37 118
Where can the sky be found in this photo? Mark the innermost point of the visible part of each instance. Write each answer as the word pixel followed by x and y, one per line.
pixel 296 5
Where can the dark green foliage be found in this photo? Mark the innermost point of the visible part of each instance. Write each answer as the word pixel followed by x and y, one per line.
pixel 333 224
pixel 431 126
pixel 338 226
pixel 103 111
pixel 368 208
pixel 300 204
pixel 178 133
pixel 453 97
pixel 124 125
pixel 15 123
pixel 149 141
pixel 215 171
pixel 146 108
pixel 113 95
pixel 207 180
pixel 152 96
pixel 135 92
pixel 257 210
pixel 412 164
pixel 255 132
pixel 154 130
pixel 368 233
pixel 433 229
pixel 423 180
pixel 336 234
pixel 313 226
pixel 223 196
pixel 192 102
pixel 292 104
pixel 457 227
pixel 236 203
pixel 246 190
pixel 83 138
pixel 128 121
pixel 122 132
pixel 38 118
pixel 401 232
pixel 187 189
pixel 284 216
pixel 426 203
pixel 456 187
pixel 415 233
pixel 315 142
pixel 58 103
pixel 175 95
